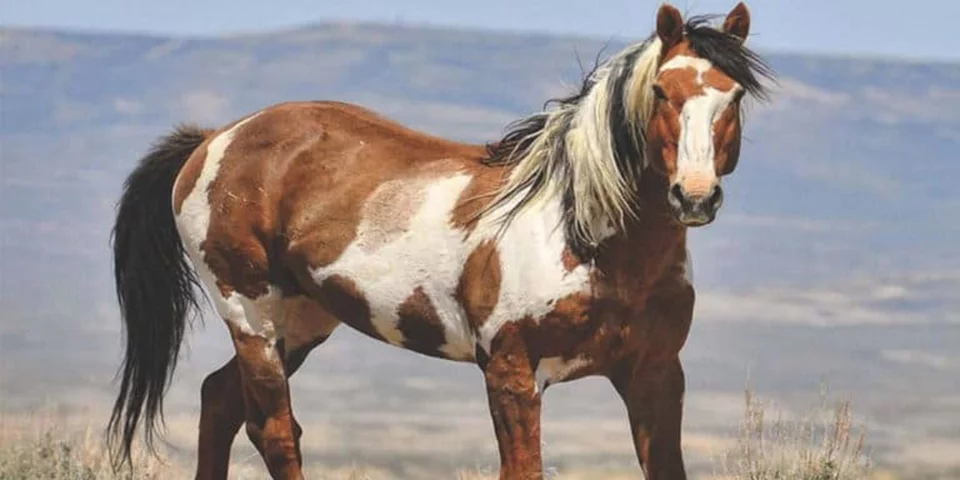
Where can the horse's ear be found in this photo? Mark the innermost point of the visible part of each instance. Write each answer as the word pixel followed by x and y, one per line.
pixel 669 25
pixel 738 22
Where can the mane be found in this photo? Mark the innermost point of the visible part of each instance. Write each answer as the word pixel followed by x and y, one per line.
pixel 728 54
pixel 589 149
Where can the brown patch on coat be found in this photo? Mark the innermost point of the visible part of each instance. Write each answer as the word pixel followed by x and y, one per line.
pixel 306 324
pixel 240 265
pixel 564 329
pixel 481 190
pixel 667 311
pixel 420 325
pixel 634 263
pixel 341 297
pixel 479 287
pixel 718 80
pixel 726 140
pixel 663 135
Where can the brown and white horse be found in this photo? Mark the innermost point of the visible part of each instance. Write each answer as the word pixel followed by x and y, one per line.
pixel 556 253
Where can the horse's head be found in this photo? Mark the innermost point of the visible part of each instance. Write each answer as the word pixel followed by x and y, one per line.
pixel 693 136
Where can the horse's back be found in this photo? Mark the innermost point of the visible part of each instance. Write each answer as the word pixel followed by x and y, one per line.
pixel 278 167
pixel 336 128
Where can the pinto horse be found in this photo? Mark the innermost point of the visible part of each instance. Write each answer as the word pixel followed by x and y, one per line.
pixel 555 253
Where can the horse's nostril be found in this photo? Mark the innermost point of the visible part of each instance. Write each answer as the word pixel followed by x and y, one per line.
pixel 676 193
pixel 716 198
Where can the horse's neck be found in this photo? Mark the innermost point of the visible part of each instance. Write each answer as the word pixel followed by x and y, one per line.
pixel 633 261
pixel 630 261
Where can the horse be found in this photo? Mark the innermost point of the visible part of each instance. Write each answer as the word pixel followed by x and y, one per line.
pixel 555 253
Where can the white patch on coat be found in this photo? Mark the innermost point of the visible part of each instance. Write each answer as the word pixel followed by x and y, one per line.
pixel 701 65
pixel 430 253
pixel 552 370
pixel 532 274
pixel 193 223
pixel 263 316
pixel 696 153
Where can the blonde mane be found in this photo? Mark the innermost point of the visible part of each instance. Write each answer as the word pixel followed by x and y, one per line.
pixel 588 150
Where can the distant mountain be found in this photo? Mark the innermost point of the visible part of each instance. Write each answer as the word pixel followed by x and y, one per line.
pixel 835 255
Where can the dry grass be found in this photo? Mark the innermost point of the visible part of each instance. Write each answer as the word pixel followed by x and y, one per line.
pixel 51 454
pixel 826 444
pixel 52 446
pixel 823 445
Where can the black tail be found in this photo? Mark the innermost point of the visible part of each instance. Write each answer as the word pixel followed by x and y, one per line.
pixel 155 288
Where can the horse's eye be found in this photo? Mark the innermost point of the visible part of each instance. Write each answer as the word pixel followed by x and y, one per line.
pixel 659 93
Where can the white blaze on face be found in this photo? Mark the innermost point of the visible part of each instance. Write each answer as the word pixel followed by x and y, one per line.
pixel 696 170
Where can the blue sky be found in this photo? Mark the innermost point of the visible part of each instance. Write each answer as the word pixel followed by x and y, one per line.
pixel 919 28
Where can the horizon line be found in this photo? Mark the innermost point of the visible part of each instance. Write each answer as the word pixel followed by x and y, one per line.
pixel 427 25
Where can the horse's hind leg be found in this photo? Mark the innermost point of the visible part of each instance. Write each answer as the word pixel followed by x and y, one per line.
pixel 222 410
pixel 253 315
pixel 306 327
pixel 221 415
pixel 269 417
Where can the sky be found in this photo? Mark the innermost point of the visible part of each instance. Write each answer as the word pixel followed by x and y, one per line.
pixel 922 29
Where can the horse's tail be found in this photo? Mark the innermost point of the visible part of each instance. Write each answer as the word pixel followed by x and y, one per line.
pixel 156 289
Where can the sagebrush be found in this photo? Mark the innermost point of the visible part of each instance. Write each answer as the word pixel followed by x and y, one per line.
pixel 825 444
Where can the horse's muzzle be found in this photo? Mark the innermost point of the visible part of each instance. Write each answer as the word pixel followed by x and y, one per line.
pixel 695 210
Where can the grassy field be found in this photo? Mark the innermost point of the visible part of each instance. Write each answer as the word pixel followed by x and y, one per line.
pixel 825 444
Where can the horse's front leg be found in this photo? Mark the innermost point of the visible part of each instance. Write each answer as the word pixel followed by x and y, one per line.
pixel 652 384
pixel 654 402
pixel 514 405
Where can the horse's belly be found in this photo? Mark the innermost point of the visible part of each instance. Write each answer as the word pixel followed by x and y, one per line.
pixel 428 320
